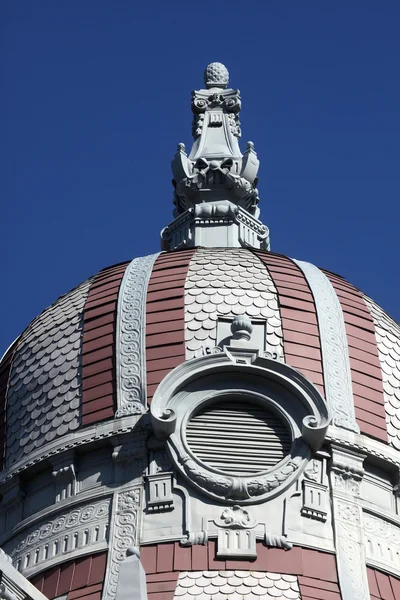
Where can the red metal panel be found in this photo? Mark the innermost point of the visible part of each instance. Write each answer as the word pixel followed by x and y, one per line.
pixel 95 380
pixel 303 339
pixel 98 348
pixel 98 392
pixel 65 580
pixel 316 570
pixel 182 558
pixel 97 355
pixel 365 370
pixel 98 367
pixel 165 323
pixel 171 337
pixel 81 572
pixel 165 557
pixel 395 583
pixel 294 350
pixel 199 558
pixel 369 407
pixel 384 586
pixel 215 563
pixel 99 332
pixel 299 316
pixel 95 302
pixel 154 577
pixel 98 311
pixel 159 317
pixel 106 341
pixel 320 565
pixel 161 364
pixel 317 593
pixel 50 583
pixel 296 304
pixel 84 574
pixel 162 586
pixel 98 404
pixel 148 558
pixel 98 415
pixel 87 591
pixel 299 361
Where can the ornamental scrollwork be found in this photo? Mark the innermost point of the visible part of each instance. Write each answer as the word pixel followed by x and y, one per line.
pixel 124 528
pixel 174 405
pixel 131 316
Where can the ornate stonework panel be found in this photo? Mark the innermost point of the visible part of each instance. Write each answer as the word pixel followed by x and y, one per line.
pixel 387 334
pixel 382 542
pixel 123 535
pixel 236 584
pixel 130 337
pixel 346 476
pixel 224 284
pixel 45 382
pixel 67 534
pixel 334 349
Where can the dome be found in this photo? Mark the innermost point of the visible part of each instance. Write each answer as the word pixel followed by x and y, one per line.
pixel 76 363
pixel 213 421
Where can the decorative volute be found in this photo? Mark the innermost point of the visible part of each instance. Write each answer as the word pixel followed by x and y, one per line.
pixel 216 198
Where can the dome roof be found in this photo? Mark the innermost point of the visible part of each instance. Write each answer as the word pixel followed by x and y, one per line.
pixel 103 348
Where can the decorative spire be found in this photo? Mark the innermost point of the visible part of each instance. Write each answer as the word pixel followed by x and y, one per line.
pixel 216 198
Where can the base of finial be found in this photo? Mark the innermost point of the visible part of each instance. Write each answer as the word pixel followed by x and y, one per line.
pixel 215 225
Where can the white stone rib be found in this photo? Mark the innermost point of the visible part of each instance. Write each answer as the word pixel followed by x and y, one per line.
pixel 130 337
pixel 334 348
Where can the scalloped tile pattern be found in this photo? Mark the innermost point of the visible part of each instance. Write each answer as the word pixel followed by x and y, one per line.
pixel 44 392
pixel 238 585
pixel 228 282
pixel 387 333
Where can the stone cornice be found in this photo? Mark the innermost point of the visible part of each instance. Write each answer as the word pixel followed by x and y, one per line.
pixel 79 438
pixel 363 444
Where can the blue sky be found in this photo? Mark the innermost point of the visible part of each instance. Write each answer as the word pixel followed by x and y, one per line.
pixel 96 95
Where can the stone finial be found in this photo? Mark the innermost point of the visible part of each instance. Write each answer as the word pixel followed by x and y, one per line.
pixel 241 328
pixel 215 173
pixel 216 75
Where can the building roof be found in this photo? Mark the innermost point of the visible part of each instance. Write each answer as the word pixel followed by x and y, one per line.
pixel 67 369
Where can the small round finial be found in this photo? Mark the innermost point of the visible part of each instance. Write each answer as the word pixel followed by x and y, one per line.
pixel 216 75
pixel 241 328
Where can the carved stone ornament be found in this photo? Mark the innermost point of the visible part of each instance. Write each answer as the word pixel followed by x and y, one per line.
pixel 346 474
pixel 382 542
pixel 130 352
pixel 66 535
pixel 335 353
pixel 239 375
pixel 123 535
pixel 216 185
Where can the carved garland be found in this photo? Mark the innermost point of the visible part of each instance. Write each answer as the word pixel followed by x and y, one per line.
pixel 172 408
pixel 334 349
pixel 131 318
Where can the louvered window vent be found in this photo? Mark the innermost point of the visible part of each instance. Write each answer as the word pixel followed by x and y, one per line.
pixel 238 438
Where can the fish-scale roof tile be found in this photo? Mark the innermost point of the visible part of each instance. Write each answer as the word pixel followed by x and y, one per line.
pixel 241 585
pixel 238 285
pixel 387 333
pixel 44 391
